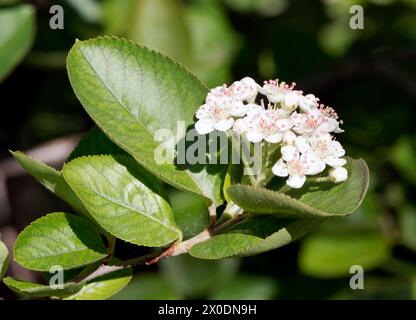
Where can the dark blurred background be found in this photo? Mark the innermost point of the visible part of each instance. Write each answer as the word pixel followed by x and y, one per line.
pixel 368 76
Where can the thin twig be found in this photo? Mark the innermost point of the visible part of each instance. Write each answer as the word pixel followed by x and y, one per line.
pixel 212 209
pixel 102 271
pixel 176 249
pixel 142 260
pixel 222 227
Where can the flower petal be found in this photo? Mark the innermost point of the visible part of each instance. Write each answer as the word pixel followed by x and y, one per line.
pixel 239 109
pixel 336 149
pixel 335 162
pixel 284 124
pixel 290 153
pixel 339 174
pixel 272 91
pixel 245 89
pixel 306 103
pixel 328 125
pixel 224 125
pixel 291 99
pixel 316 115
pixel 274 138
pixel 204 112
pixel 280 169
pixel 311 163
pixel 302 144
pixel 296 181
pixel 205 126
pixel 275 97
pixel 253 110
pixel 254 137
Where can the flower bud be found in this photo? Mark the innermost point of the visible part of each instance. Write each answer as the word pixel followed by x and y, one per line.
pixel 290 101
pixel 339 174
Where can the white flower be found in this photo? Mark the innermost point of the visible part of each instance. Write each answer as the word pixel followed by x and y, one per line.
pixel 282 93
pixel 291 100
pixel 306 123
pixel 273 90
pixel 253 111
pixel 297 123
pixel 267 125
pixel 223 95
pixel 218 93
pixel 245 90
pixel 308 102
pixel 296 166
pixel 339 174
pixel 327 150
pixel 330 121
pixel 218 114
pixel 315 121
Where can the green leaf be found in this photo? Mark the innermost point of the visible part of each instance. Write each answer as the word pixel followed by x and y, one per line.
pixel 30 289
pixel 227 184
pixel 190 212
pixel 214 42
pixel 77 273
pixel 88 10
pixel 335 38
pixel 254 235
pixel 160 25
pixel 407 225
pixel 95 142
pixel 103 287
pixel 313 200
pixel 328 255
pixel 59 239
pixel 123 198
pixel 224 246
pixel 4 259
pixel 115 15
pixel 51 179
pixel 132 93
pixel 17 30
pixel 403 157
pixel 291 231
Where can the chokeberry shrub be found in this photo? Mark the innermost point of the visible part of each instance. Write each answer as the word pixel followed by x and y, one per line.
pixel 263 157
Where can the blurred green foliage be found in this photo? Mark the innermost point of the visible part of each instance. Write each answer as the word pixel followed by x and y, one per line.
pixel 368 75
pixel 17 28
pixel 188 278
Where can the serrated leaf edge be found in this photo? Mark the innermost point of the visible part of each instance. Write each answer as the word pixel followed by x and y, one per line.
pixel 33 223
pixel 89 157
pixel 131 43
pixel 314 211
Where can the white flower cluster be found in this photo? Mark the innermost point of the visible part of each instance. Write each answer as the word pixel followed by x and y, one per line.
pixel 297 122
